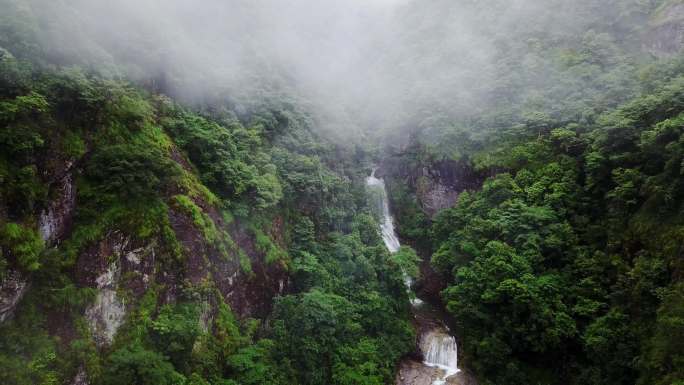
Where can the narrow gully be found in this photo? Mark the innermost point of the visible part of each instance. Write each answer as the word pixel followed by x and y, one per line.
pixel 438 347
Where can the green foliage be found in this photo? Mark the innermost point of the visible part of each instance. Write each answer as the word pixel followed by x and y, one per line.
pixel 73 145
pixel 254 365
pixel 21 246
pixel 407 260
pixel 131 172
pixel 562 268
pixel 25 106
pixel 245 262
pixel 559 252
pixel 314 189
pixel 204 223
pixel 264 244
pixel 664 354
pixel 135 365
pixel 341 298
pixel 412 221
pixel 174 333
pixel 28 354
pixel 140 166
pixel 215 152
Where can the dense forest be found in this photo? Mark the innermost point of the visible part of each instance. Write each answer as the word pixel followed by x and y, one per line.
pixel 564 264
pixel 166 220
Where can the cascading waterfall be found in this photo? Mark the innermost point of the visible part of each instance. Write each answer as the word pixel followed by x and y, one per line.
pixel 387 224
pixel 438 347
pixel 440 351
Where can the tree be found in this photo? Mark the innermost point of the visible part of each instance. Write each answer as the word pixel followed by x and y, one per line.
pixel 135 365
pixel 20 245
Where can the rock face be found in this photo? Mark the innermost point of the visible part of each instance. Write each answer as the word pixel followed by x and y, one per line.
pixel 57 217
pixel 52 224
pixel 437 185
pixel 415 373
pixel 12 289
pixel 412 372
pixel 249 293
pixel 665 35
pixel 81 377
pixel 107 313
pixel 101 267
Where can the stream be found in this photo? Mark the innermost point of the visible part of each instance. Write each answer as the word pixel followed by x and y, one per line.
pixel 437 345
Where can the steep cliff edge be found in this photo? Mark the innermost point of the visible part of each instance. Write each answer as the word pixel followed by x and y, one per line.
pixel 145 242
pixel 115 205
pixel 664 36
pixel 435 183
pixel 419 188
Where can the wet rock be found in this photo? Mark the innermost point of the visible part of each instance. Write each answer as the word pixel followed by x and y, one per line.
pixel 102 266
pixel 461 378
pixel 435 196
pixel 81 377
pixel 12 289
pixel 437 184
pixel 106 315
pixel 415 373
pixel 250 294
pixel 54 221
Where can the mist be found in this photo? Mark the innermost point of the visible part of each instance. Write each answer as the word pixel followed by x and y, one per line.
pixel 356 64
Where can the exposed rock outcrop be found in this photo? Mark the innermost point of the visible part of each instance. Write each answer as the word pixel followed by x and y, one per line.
pixel 81 377
pixel 415 373
pixel 57 217
pixel 52 224
pixel 12 289
pixel 106 315
pixel 437 185
pixel 248 291
pixel 412 372
pixel 101 267
pixel 665 34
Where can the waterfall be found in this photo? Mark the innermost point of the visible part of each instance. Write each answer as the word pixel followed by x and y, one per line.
pixel 389 236
pixel 387 224
pixel 438 347
pixel 440 351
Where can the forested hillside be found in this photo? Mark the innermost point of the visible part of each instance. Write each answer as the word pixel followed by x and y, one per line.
pixel 183 198
pixel 565 266
pixel 146 243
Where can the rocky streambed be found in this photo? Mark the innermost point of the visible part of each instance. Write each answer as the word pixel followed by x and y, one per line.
pixel 435 361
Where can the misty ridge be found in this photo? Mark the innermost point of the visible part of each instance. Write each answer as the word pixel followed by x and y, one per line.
pixel 342 192
pixel 358 65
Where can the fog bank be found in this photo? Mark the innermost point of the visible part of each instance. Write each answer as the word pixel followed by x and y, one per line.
pixel 368 63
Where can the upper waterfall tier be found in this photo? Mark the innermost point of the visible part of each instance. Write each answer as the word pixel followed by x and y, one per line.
pixel 387 222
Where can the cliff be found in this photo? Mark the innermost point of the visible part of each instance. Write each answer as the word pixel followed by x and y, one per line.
pixel 664 36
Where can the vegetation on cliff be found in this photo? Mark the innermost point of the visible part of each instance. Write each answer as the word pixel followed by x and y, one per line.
pixel 566 265
pixel 173 212
pixel 157 173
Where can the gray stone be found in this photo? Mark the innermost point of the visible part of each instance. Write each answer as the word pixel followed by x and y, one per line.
pixel 12 289
pixel 106 315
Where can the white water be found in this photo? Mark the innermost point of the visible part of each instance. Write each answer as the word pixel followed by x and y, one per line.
pixel 439 348
pixel 440 351
pixel 387 224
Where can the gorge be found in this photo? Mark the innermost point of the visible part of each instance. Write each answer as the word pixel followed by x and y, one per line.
pixel 438 348
pixel 342 192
